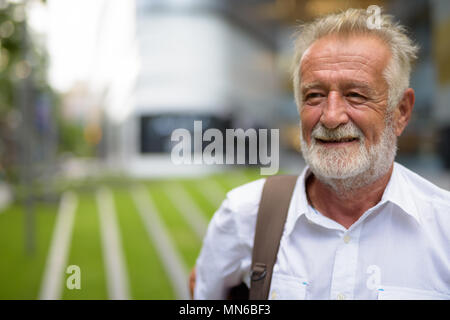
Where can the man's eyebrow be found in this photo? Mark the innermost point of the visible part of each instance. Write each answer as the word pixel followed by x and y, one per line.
pixel 311 85
pixel 358 84
pixel 346 85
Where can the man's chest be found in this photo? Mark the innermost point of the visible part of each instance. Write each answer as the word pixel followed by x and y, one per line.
pixel 372 261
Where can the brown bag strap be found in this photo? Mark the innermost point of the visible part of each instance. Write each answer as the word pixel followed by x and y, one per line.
pixel 272 213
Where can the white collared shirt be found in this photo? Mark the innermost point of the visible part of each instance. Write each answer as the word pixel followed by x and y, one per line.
pixel 398 249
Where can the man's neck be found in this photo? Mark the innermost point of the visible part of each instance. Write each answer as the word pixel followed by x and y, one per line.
pixel 345 206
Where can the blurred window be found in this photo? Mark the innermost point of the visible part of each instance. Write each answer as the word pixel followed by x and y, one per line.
pixel 156 130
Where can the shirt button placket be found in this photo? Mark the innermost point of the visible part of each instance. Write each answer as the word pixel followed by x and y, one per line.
pixel 344 271
pixel 347 238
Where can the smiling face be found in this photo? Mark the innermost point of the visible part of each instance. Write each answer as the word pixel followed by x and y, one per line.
pixel 345 127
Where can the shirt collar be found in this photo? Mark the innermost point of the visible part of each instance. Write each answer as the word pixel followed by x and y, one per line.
pixel 299 205
pixel 399 193
pixel 396 192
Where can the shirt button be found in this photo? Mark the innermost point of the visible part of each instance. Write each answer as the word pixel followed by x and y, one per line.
pixel 346 238
pixel 341 296
pixel 274 295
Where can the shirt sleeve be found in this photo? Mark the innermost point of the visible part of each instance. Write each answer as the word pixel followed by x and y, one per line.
pixel 226 255
pixel 219 265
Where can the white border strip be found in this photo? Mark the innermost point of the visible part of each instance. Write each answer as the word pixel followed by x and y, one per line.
pixel 116 271
pixel 51 287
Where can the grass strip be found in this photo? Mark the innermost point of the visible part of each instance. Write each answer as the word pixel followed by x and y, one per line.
pixel 147 277
pixel 21 273
pixel 86 252
pixel 184 238
pixel 192 187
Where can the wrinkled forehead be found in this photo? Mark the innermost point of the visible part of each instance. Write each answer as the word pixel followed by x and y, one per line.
pixel 333 53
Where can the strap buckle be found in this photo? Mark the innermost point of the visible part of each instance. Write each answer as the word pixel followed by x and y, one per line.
pixel 259 271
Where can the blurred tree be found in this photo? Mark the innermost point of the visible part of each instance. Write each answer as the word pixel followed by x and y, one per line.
pixel 27 122
pixel 10 55
pixel 21 60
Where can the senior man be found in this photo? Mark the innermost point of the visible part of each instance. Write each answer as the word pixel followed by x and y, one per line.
pixel 359 225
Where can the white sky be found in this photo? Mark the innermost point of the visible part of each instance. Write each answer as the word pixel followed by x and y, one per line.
pixel 92 41
pixel 72 35
pixel 71 29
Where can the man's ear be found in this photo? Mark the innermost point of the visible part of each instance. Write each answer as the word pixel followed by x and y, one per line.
pixel 403 111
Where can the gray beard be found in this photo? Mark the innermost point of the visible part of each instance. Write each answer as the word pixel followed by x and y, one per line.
pixel 340 170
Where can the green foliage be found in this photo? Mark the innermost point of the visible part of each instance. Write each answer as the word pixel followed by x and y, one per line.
pixel 71 139
pixel 12 26
pixel 23 68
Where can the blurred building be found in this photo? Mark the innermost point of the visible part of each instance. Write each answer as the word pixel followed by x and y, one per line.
pixel 227 63
pixel 441 56
pixel 195 63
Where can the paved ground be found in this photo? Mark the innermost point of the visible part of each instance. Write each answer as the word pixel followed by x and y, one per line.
pixel 5 196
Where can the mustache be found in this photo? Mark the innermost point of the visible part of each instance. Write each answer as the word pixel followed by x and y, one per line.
pixel 345 131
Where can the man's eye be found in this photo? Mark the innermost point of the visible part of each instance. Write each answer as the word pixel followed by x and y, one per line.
pixel 355 95
pixel 313 95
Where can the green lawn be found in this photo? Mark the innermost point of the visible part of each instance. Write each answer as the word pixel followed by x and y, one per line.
pixel 86 251
pixel 21 274
pixel 147 278
pixel 184 238
pixel 193 188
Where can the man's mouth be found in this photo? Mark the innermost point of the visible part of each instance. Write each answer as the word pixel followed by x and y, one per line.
pixel 333 141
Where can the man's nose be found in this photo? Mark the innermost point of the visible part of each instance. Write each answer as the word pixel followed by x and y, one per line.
pixel 335 111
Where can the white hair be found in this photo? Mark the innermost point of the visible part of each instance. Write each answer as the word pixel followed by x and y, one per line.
pixel 355 21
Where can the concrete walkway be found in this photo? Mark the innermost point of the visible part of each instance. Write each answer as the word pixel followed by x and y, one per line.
pixel 51 287
pixel 116 271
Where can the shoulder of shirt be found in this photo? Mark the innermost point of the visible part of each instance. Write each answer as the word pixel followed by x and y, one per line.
pixel 424 189
pixel 246 197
